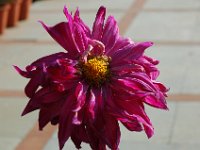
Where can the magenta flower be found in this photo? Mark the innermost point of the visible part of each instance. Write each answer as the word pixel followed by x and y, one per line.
pixel 100 80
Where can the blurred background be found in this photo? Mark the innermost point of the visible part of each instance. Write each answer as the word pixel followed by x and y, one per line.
pixel 173 26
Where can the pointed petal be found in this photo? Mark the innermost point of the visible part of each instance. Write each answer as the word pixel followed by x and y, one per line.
pixel 65 123
pixel 62 33
pixel 112 132
pixel 93 138
pixel 130 52
pixel 79 135
pixel 67 14
pixel 31 106
pixel 98 23
pixel 110 33
pixel 81 23
pixel 80 37
pixel 21 72
pixel 48 112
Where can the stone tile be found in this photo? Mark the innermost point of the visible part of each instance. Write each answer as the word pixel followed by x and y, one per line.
pixel 144 146
pixel 126 145
pixel 191 82
pixel 164 26
pixel 186 128
pixel 8 143
pixel 11 80
pixel 8 51
pixel 82 4
pixel 25 32
pixel 12 124
pixel 172 4
pixel 177 66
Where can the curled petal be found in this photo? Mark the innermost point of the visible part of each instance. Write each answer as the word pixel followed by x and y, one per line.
pixel 50 59
pixel 34 83
pixel 81 92
pixel 91 105
pixel 135 109
pixel 21 72
pixel 98 48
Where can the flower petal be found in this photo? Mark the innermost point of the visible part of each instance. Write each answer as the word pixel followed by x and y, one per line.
pixel 81 92
pixel 34 83
pixel 119 44
pixel 65 123
pixel 132 125
pixel 80 37
pixel 97 31
pixel 91 105
pixel 112 132
pixel 50 59
pixel 130 52
pixel 48 112
pixel 135 109
pixel 81 23
pixel 31 106
pixel 62 33
pixel 79 135
pixel 21 72
pixel 110 33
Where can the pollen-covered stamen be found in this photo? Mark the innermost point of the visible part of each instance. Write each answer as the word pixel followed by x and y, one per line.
pixel 96 70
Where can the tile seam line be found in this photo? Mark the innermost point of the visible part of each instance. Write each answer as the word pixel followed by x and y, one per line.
pixel 27 142
pixel 174 120
pixel 35 139
pixel 171 97
pixel 130 15
pixel 43 42
pixel 178 10
pixel 81 10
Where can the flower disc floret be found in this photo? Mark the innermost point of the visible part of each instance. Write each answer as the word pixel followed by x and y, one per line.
pixel 96 70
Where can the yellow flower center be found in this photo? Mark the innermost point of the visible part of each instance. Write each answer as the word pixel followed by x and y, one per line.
pixel 96 70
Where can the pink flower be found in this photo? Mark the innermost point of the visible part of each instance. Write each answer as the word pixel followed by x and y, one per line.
pixel 100 80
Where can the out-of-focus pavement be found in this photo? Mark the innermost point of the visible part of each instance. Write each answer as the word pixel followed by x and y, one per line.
pixel 174 27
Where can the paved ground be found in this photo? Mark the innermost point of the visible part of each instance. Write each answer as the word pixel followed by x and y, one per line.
pixel 173 25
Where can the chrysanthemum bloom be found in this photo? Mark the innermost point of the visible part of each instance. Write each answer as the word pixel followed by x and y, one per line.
pixel 100 80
